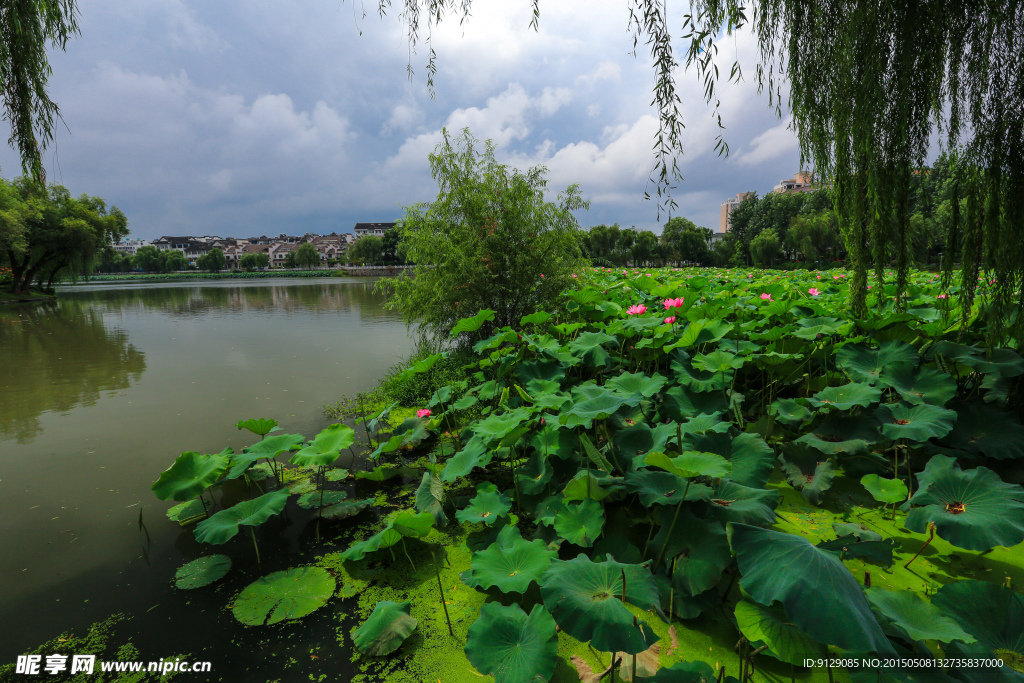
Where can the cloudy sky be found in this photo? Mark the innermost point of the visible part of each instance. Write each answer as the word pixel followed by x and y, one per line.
pixel 242 118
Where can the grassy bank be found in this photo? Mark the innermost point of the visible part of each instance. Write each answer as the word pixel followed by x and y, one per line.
pixel 9 297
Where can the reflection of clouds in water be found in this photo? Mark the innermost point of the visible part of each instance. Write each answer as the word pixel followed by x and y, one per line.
pixel 61 356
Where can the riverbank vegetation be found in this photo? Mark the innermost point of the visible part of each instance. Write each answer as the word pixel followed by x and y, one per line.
pixel 664 466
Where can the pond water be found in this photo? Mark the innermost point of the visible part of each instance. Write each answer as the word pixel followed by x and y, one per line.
pixel 102 389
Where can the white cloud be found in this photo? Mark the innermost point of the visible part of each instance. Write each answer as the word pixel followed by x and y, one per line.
pixel 770 145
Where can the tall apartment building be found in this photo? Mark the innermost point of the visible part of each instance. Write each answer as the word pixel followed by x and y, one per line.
pixel 728 206
pixel 800 182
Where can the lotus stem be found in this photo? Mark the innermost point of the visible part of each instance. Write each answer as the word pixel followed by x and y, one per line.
pixel 623 570
pixel 672 590
pixel 672 526
pixel 406 551
pixel 321 506
pixel 440 587
pixel 931 535
pixel 252 532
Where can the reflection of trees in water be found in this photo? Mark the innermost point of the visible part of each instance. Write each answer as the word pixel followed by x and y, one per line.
pixel 326 297
pixel 55 357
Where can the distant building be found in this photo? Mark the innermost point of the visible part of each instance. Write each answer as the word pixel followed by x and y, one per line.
pixel 378 229
pixel 130 247
pixel 178 243
pixel 728 206
pixel 801 182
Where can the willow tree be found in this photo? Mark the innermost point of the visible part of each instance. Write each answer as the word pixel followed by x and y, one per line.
pixel 27 29
pixel 872 85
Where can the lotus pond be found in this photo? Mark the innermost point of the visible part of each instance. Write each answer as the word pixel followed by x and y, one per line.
pixel 695 475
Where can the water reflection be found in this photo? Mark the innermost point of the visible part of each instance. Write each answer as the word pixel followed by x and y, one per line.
pixel 56 356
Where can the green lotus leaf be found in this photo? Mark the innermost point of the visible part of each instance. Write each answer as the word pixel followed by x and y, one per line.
pixel 202 572
pixel 983 430
pixel 405 523
pixel 413 525
pixel 223 526
pixel 691 464
pixel 552 440
pixel 732 502
pixel 975 510
pixel 663 488
pixel 771 627
pixel 586 600
pixel 753 460
pixel 190 475
pixel 812 482
pixel 387 628
pixel 474 453
pixel 589 348
pixel 316 499
pixel 301 487
pixel 782 567
pixel 687 672
pixel 325 447
pixel 906 614
pixel 465 402
pixel 512 646
pixel 599 408
pixel 629 384
pixel 337 474
pixel 884 490
pixel 511 563
pixel 917 423
pixel 346 509
pixel 537 318
pixel 585 485
pixel 269 448
pixel 704 424
pixel 682 403
pixel 487 506
pixel 634 440
pixel 289 594
pixel 534 476
pixel 790 411
pixel 850 547
pixel 413 431
pixel 698 549
pixel 187 512
pixel 430 497
pixel 700 380
pixel 380 473
pixel 581 522
pixel 473 324
pixel 1003 362
pixel 496 427
pixel 441 397
pixel 839 433
pixel 859 531
pixel 717 361
pixel 425 364
pixel 864 364
pixel 919 385
pixel 258 426
pixel 847 396
pixel 595 456
pixel 993 614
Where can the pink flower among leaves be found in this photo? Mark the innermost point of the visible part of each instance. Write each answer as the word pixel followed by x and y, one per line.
pixel 636 309
pixel 766 296
pixel 423 412
pixel 669 320
pixel 813 291
pixel 942 296
pixel 673 303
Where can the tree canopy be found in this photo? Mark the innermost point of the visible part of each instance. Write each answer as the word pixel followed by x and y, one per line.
pixel 488 241
pixel 47 234
pixel 307 256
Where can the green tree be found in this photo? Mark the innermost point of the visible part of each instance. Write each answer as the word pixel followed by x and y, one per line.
pixel 815 236
pixel 643 248
pixel 289 260
pixel 602 243
pixel 392 250
pixel 52 234
pixel 212 261
pixel 254 260
pixel 368 250
pixel 147 259
pixel 766 248
pixel 172 260
pixel 306 256
pixel 488 241
pixel 672 232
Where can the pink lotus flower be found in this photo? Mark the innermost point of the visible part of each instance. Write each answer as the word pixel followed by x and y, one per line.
pixel 673 303
pixel 669 320
pixel 869 286
pixel 819 277
pixel 423 412
pixel 638 309
pixel 574 274
pixel 766 296
pixel 813 291
pixel 843 275
pixel 542 274
pixel 942 296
